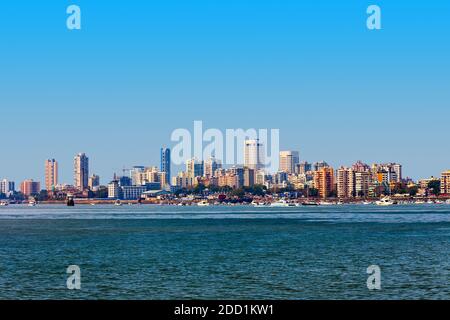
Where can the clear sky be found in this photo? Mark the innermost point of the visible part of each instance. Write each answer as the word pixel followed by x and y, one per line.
pixel 137 70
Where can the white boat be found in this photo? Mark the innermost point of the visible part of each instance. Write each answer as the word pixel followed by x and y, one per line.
pixel 258 204
pixel 448 201
pixel 117 203
pixel 386 201
pixel 419 202
pixel 31 203
pixel 280 203
pixel 4 203
pixel 203 203
pixel 325 203
pixel 366 203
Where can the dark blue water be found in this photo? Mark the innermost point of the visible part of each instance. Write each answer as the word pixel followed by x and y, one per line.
pixel 155 252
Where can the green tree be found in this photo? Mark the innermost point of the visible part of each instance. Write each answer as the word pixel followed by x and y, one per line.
pixel 435 187
pixel 413 191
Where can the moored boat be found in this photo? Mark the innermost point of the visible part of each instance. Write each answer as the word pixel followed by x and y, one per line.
pixel 386 201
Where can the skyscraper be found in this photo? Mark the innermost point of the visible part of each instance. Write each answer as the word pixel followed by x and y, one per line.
pixel 51 174
pixel 81 171
pixel 194 168
pixel 288 161
pixel 165 162
pixel 211 165
pixel 253 154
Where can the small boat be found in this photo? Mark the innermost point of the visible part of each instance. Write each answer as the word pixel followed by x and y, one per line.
pixel 117 203
pixel 448 201
pixel 386 201
pixel 419 202
pixel 309 203
pixel 31 203
pixel 4 203
pixel 325 203
pixel 69 201
pixel 280 203
pixel 366 203
pixel 203 203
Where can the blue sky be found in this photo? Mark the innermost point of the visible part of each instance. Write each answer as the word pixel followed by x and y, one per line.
pixel 136 71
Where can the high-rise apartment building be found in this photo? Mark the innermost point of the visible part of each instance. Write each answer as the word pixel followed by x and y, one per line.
pixel 346 184
pixel 445 182
pixel 303 167
pixel 249 177
pixel 51 174
pixel 324 181
pixel 288 161
pixel 194 168
pixel 30 187
pixel 165 163
pixel 94 181
pixel 253 154
pixel 363 182
pixel 7 187
pixel 211 165
pixel 81 171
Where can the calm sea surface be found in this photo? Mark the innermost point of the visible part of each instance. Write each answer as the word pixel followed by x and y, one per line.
pixel 166 252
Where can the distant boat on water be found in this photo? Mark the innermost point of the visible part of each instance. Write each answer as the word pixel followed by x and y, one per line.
pixel 70 202
pixel 386 201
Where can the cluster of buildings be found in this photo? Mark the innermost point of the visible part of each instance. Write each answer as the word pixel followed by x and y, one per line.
pixel 314 179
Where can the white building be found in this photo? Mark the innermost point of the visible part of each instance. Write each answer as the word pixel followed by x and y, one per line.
pixel 7 187
pixel 114 190
pixel 253 154
pixel 133 192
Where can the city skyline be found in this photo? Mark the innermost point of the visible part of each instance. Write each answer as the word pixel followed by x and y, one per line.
pixel 290 163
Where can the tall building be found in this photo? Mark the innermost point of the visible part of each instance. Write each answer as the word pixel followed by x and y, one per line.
pixel 165 163
pixel 7 187
pixel 363 182
pixel 397 168
pixel 94 181
pixel 211 165
pixel 303 167
pixel 136 175
pixel 445 182
pixel 81 171
pixel 51 174
pixel 30 187
pixel 253 154
pixel 288 161
pixel 346 184
pixel 194 168
pixel 324 181
pixel 249 177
